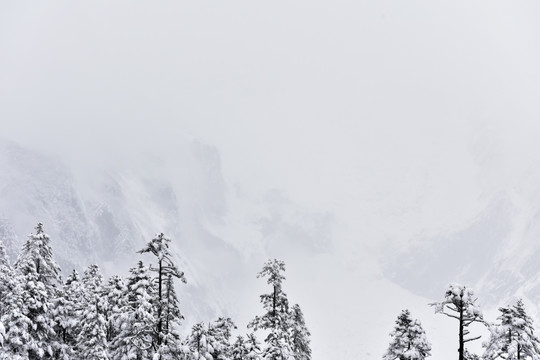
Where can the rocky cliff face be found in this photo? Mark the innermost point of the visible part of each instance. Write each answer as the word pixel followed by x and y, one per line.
pixel 104 217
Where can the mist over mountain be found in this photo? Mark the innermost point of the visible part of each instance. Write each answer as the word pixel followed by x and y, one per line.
pixel 221 236
pixel 381 149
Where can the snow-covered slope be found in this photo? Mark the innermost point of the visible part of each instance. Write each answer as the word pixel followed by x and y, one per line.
pixel 104 217
pixel 351 292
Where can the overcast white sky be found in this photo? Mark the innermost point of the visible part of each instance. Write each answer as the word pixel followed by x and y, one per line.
pixel 396 116
pixel 310 95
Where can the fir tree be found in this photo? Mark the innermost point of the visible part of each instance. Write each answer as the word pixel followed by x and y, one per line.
pixel 197 342
pixel 18 341
pixel 6 275
pixel 135 339
pixel 460 304
pixel 170 344
pixel 36 257
pixel 66 313
pixel 92 284
pixel 253 347
pixel 409 340
pixel 115 300
pixel 168 315
pixel 8 238
pixel 238 351
pixel 514 337
pixel 245 349
pixel 300 335
pixel 276 319
pixel 39 275
pixel 219 334
pixel 92 339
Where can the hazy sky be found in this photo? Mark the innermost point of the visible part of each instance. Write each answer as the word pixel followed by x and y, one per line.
pixel 397 117
pixel 317 97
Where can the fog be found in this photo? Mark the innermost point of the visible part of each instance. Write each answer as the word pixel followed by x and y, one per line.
pixel 387 123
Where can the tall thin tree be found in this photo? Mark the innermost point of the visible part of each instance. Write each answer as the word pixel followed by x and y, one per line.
pixel 460 303
pixel 168 314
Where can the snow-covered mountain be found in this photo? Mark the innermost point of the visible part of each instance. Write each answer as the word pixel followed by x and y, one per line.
pixel 104 217
pixel 221 235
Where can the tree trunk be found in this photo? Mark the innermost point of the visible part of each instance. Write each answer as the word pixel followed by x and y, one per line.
pixel 160 304
pixel 461 341
pixel 274 302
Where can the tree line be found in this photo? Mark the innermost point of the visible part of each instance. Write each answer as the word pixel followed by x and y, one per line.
pixel 138 317
pixel 511 337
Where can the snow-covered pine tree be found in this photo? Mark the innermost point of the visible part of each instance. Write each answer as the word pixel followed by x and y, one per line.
pixel 299 334
pixel 7 298
pixel 4 261
pixel 513 338
pixel 238 350
pixel 168 315
pixel 135 339
pixel 219 335
pixel 409 340
pixel 92 337
pixel 92 283
pixel 40 276
pixel 8 238
pixel 460 303
pixel 66 313
pixel 115 300
pixel 170 347
pixel 18 341
pixel 36 257
pixel 253 347
pixel 276 319
pixel 197 343
pixel 6 274
pixel 245 349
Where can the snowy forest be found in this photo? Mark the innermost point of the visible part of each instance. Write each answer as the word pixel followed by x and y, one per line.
pixel 510 338
pixel 139 317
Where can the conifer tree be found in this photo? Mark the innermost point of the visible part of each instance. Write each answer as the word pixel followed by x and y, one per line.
pixel 238 351
pixel 4 261
pixel 135 339
pixel 6 275
pixel 66 313
pixel 219 334
pixel 92 339
pixel 460 303
pixel 8 238
pixel 115 300
pixel 197 342
pixel 513 338
pixel 170 346
pixel 300 335
pixel 36 257
pixel 18 341
pixel 246 349
pixel 409 340
pixel 168 315
pixel 39 275
pixel 92 283
pixel 276 319
pixel 253 347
